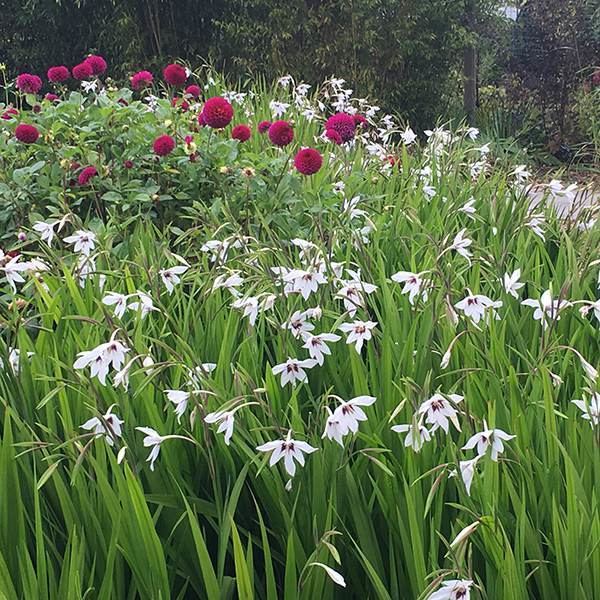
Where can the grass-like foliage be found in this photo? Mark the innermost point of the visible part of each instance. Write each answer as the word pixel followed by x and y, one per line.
pixel 173 426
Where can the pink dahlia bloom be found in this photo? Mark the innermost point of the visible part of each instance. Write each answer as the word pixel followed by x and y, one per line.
pixel 58 74
pixel 29 84
pixel 28 134
pixel 281 133
pixel 86 175
pixel 174 75
pixel 241 133
pixel 193 90
pixel 141 80
pixel 217 112
pixel 333 136
pixel 343 123
pixel 82 71
pixel 308 161
pixel 360 121
pixel 97 64
pixel 163 145
pixel 263 126
pixel 10 113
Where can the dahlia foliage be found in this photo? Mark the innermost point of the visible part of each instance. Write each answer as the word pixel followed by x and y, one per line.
pixel 277 341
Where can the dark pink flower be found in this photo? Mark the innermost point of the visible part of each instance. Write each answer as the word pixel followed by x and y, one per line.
pixel 174 75
pixel 281 133
pixel 28 134
pixel 343 123
pixel 97 64
pixel 308 161
pixel 29 84
pixel 193 90
pixel 86 175
pixel 51 97
pixel 333 136
pixel 82 71
pixel 58 74
pixel 217 112
pixel 263 126
pixel 241 133
pixel 163 145
pixel 141 80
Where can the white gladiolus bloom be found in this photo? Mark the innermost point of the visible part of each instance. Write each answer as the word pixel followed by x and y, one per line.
pixel 440 412
pixel 180 399
pixel 414 285
pixel 358 332
pixel 512 284
pixel 475 306
pixel 290 450
pixel 317 346
pixel 226 421
pixel 546 309
pixel 46 230
pixel 170 277
pixel 489 438
pixel 453 589
pixel 101 358
pixel 416 435
pixel 292 371
pixel 117 301
pixel 590 409
pixel 461 244
pixel 84 241
pixel 109 426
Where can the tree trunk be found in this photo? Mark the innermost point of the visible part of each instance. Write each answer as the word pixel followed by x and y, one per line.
pixel 470 67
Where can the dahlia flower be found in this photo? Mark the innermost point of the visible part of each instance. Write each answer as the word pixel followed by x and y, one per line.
pixel 175 75
pixel 29 84
pixel 217 112
pixel 28 134
pixel 163 145
pixel 241 133
pixel 343 123
pixel 308 161
pixel 141 80
pixel 58 74
pixel 281 133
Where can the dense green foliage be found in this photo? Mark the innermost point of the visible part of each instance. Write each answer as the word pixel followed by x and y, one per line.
pixel 81 518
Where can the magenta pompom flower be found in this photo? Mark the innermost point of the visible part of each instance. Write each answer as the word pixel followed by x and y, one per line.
pixel 241 133
pixel 308 161
pixel 217 112
pixel 58 74
pixel 163 145
pixel 141 80
pixel 343 123
pixel 82 71
pixel 281 133
pixel 174 75
pixel 29 84
pixel 86 175
pixel 28 134
pixel 201 120
pixel 263 126
pixel 97 64
pixel 193 90
pixel 333 136
pixel 51 97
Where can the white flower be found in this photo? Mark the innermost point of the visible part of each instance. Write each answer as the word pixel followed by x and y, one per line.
pixel 153 439
pixel 230 281
pixel 85 241
pixel 475 306
pixel 453 589
pixel 546 309
pixel 512 284
pixel 467 472
pixel 358 332
pixel 249 306
pixel 468 208
pixel 278 109
pixel 472 133
pixel 521 173
pixel 408 136
pixel 440 412
pixel 334 430
pixel 350 413
pixel 292 370
pixel 46 230
pixel 591 409
pixel 180 399
pixel 298 324
pixel 109 426
pixel 414 285
pixel 14 359
pixel 12 271
pixel 170 276
pixel 288 449
pixel 118 301
pixel 226 419
pixel 416 435
pixel 144 304
pixel 316 345
pixel 352 292
pixel 489 438
pixel 304 282
pixel 461 244
pixel 101 358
